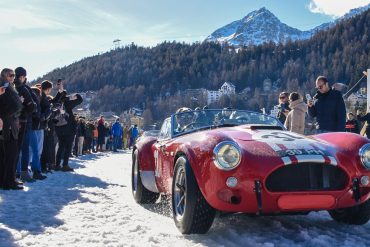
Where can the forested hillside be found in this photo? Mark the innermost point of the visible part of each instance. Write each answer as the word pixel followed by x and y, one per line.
pixel 132 75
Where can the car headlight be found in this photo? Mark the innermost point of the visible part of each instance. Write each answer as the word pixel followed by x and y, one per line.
pixel 365 155
pixel 227 155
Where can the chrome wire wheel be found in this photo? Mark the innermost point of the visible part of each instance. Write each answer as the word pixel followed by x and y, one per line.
pixel 180 193
pixel 191 212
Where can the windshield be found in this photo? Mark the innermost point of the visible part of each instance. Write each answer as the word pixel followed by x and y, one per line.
pixel 193 120
pixel 151 133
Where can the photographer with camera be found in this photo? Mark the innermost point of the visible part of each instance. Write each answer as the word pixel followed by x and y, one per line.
pixel 65 131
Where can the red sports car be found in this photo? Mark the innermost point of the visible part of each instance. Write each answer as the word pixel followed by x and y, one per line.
pixel 241 161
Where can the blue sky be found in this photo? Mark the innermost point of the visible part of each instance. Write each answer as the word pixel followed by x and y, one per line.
pixel 42 35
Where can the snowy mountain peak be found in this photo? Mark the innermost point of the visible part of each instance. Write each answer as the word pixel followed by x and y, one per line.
pixel 257 27
pixel 261 26
pixel 262 13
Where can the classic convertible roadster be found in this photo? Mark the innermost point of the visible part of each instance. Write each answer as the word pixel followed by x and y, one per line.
pixel 241 161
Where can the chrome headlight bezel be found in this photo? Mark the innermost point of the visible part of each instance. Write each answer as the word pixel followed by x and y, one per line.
pixel 218 157
pixel 365 150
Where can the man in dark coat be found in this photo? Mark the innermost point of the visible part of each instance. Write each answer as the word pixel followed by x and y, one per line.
pixel 29 108
pixel 101 134
pixel 328 108
pixel 25 118
pixel 47 159
pixel 66 133
pixel 11 106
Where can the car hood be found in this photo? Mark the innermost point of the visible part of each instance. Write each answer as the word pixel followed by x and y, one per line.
pixel 280 146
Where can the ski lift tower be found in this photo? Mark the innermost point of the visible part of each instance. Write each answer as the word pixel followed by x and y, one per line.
pixel 117 43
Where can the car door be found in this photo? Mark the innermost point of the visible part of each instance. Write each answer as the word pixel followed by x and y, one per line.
pixel 161 155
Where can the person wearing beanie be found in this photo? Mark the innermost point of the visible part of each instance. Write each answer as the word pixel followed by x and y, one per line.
pixel 26 122
pixel 25 118
pixel 20 71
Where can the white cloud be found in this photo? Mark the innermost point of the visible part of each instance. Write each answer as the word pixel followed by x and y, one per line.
pixel 335 8
pixel 17 19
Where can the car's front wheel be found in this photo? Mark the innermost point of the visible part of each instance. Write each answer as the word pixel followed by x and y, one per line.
pixel 141 194
pixel 357 215
pixel 191 212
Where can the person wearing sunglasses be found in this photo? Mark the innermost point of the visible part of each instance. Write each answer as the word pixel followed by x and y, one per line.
pixel 283 106
pixel 11 106
pixel 328 107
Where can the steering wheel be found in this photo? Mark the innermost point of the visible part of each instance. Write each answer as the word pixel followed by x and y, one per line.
pixel 193 125
pixel 242 120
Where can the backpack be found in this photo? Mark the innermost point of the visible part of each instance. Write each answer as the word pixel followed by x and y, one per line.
pixel 61 118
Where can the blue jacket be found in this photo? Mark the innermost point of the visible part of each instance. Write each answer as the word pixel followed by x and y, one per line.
pixel 135 132
pixel 117 129
pixel 329 110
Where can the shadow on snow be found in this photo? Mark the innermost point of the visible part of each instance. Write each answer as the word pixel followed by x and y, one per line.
pixel 36 208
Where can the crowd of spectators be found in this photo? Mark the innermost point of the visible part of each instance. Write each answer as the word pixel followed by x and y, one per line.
pixel 326 107
pixel 39 132
pixel 33 124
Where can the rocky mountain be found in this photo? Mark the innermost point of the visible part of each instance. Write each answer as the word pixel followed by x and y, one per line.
pixel 262 26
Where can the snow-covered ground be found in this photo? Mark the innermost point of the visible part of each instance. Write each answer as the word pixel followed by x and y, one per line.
pixel 94 207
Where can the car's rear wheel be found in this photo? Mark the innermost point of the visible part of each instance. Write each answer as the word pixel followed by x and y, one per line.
pixel 357 215
pixel 141 194
pixel 191 212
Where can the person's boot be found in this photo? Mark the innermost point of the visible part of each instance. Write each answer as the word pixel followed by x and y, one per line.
pixel 18 182
pixel 57 167
pixel 25 177
pixel 37 175
pixel 13 187
pixel 50 168
pixel 67 168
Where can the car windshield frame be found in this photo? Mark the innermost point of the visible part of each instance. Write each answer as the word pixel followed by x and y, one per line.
pixel 216 118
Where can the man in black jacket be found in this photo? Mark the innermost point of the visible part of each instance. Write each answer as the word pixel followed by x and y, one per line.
pixel 66 133
pixel 27 121
pixel 328 108
pixel 11 106
pixel 25 118
pixel 48 154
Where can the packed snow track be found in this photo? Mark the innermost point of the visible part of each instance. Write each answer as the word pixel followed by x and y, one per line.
pixel 93 206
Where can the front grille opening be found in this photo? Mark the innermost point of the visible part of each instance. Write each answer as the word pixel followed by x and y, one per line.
pixel 306 177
